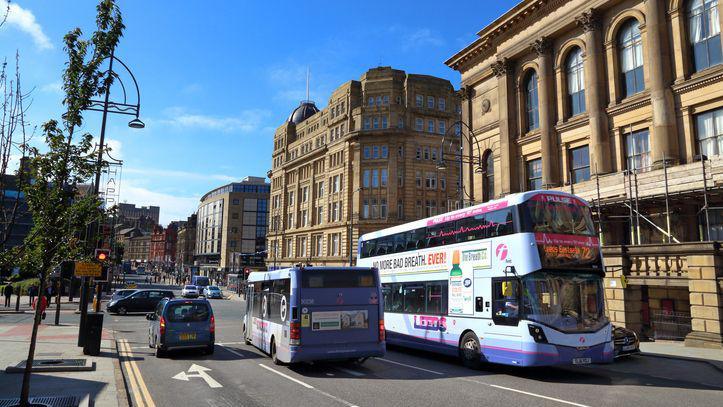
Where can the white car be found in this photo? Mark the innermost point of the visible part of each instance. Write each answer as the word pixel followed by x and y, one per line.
pixel 189 291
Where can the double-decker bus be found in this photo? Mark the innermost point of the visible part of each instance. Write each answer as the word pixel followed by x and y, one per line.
pixel 303 314
pixel 516 281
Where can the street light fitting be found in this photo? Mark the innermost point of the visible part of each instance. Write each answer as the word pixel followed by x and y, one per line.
pixel 441 165
pixel 269 173
pixel 479 169
pixel 136 124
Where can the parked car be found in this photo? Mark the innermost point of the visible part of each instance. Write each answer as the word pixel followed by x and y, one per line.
pixel 626 341
pixel 189 291
pixel 138 301
pixel 124 292
pixel 212 291
pixel 181 324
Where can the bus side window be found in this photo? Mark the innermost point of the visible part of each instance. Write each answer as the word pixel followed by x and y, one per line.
pixel 505 301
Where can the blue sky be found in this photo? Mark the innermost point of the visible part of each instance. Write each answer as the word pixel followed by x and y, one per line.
pixel 217 77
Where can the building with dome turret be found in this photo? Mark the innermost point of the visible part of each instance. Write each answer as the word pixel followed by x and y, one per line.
pixel 367 161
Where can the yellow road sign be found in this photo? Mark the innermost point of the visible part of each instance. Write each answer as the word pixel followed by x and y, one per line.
pixel 86 269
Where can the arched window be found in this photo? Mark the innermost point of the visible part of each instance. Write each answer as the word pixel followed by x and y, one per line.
pixel 488 165
pixel 704 28
pixel 531 104
pixel 631 58
pixel 575 82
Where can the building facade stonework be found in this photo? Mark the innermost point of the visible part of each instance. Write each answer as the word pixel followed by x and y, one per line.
pixel 186 244
pixel 621 103
pixel 365 162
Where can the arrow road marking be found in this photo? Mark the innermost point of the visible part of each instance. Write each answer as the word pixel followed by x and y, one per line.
pixel 198 371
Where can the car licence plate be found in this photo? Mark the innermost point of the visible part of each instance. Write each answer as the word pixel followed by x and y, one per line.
pixel 581 361
pixel 628 347
pixel 188 336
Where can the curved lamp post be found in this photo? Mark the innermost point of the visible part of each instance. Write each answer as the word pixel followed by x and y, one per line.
pixel 448 148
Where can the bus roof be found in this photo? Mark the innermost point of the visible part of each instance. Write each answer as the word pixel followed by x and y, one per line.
pixel 286 273
pixel 509 200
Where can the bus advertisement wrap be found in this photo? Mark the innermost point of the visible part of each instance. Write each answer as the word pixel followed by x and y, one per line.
pixel 339 320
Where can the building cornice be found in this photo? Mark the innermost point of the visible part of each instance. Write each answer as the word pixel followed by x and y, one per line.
pixel 509 23
pixel 699 80
pixel 635 102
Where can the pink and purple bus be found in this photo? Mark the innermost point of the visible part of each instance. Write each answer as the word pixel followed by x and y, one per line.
pixel 516 281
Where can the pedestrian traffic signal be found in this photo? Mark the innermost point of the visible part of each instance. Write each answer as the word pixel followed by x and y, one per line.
pixel 102 255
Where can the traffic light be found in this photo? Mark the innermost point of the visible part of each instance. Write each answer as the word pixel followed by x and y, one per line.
pixel 102 255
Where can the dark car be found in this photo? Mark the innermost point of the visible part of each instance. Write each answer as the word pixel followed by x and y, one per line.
pixel 181 324
pixel 118 294
pixel 626 341
pixel 139 301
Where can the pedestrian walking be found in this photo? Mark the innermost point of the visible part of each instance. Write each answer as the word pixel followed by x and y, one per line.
pixel 32 292
pixel 8 293
pixel 48 294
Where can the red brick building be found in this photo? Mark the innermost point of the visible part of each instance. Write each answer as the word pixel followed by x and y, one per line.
pixel 163 244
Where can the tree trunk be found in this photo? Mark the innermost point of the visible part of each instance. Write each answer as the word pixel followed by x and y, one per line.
pixel 25 392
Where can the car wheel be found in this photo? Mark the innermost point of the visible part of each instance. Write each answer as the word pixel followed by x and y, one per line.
pixel 122 310
pixel 469 351
pixel 209 349
pixel 274 357
pixel 160 352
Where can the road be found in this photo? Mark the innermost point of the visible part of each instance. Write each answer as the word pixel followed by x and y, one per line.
pixel 247 377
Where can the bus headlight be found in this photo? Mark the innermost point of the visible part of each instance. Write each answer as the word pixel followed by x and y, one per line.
pixel 537 333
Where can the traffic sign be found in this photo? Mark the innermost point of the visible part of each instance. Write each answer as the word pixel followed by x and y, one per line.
pixel 86 269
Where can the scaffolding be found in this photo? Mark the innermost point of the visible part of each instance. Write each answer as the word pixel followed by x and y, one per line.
pixel 642 203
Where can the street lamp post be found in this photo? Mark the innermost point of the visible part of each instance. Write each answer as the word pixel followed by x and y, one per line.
pixel 107 106
pixel 476 161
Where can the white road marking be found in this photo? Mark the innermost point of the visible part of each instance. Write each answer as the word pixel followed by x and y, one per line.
pixel 409 366
pixel 308 386
pixel 349 371
pixel 230 350
pixel 230 343
pixel 525 392
pixel 200 372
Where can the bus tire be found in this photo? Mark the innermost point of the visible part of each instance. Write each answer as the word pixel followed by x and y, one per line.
pixel 470 351
pixel 246 339
pixel 274 356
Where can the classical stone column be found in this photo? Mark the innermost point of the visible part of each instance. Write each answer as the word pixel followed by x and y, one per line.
pixel 664 139
pixel 601 159
pixel 506 106
pixel 545 109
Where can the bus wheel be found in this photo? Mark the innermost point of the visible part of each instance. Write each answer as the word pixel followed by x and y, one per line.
pixel 274 357
pixel 470 351
pixel 246 339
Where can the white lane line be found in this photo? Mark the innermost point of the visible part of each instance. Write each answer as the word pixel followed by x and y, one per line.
pixel 409 366
pixel 525 392
pixel 308 386
pixel 231 350
pixel 349 371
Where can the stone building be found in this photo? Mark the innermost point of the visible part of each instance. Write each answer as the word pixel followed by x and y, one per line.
pixel 138 249
pixel 163 244
pixel 186 244
pixel 620 102
pixel 365 162
pixel 231 226
pixel 142 217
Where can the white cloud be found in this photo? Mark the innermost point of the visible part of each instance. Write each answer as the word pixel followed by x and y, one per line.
pixel 54 87
pixel 245 122
pixel 24 20
pixel 421 38
pixel 154 172
pixel 173 207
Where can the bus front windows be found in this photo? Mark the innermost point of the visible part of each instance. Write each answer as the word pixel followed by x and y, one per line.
pixel 563 301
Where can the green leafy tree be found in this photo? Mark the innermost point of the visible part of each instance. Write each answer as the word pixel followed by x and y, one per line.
pixel 60 212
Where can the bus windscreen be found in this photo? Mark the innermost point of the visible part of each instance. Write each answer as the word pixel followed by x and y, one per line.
pixel 337 279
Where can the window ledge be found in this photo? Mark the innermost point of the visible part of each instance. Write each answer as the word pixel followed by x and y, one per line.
pixel 573 122
pixel 630 103
pixel 700 79
pixel 529 137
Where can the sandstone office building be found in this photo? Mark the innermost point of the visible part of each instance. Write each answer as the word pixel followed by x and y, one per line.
pixel 365 162
pixel 620 102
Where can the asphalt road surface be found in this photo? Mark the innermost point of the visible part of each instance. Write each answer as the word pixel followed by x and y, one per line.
pixel 241 375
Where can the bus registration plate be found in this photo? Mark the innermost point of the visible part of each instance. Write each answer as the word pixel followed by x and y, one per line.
pixel 581 361
pixel 191 336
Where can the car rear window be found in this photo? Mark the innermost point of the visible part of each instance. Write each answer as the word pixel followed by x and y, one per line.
pixel 188 312
pixel 337 279
pixel 190 287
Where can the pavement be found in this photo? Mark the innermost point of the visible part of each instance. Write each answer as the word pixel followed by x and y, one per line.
pixel 676 350
pixel 104 385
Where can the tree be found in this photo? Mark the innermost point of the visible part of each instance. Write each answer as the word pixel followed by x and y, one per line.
pixel 60 213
